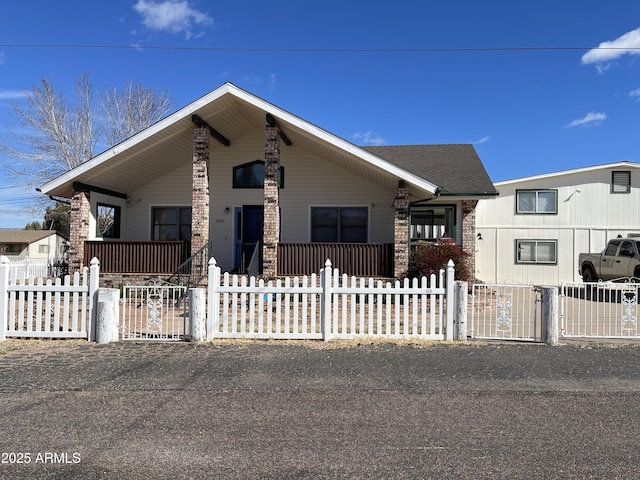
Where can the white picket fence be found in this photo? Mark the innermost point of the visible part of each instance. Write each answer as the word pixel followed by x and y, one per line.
pixel 26 268
pixel 329 305
pixel 53 309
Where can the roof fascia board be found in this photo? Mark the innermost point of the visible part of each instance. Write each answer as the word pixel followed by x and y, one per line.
pixel 568 172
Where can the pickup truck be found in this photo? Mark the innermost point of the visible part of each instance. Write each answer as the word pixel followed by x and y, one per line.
pixel 619 261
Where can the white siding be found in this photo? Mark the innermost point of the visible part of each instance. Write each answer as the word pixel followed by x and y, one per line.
pixel 588 216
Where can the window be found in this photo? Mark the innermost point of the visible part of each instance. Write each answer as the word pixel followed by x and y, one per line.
pixel 15 248
pixel 612 248
pixel 43 248
pixel 172 223
pixel 537 201
pixel 621 182
pixel 432 223
pixel 339 224
pixel 251 175
pixel 536 251
pixel 107 221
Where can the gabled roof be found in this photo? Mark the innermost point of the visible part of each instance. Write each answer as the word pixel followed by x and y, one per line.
pixel 231 111
pixel 11 235
pixel 456 169
pixel 623 165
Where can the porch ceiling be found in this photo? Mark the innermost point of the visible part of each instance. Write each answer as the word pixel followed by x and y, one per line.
pixel 168 144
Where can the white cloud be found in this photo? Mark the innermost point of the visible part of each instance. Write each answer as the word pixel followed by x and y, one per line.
pixel 591 118
pixel 484 139
pixel 173 16
pixel 629 43
pixel 3 57
pixel 368 138
pixel 12 94
pixel 635 93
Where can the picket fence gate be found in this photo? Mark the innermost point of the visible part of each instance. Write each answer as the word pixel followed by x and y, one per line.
pixel 47 309
pixel 329 305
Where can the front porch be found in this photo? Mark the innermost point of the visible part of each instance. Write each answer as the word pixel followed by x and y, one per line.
pixel 166 258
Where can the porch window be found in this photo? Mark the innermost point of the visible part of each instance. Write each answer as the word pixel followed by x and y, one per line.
pixel 107 221
pixel 172 223
pixel 15 248
pixel 251 175
pixel 339 224
pixel 621 182
pixel 432 223
pixel 536 251
pixel 536 201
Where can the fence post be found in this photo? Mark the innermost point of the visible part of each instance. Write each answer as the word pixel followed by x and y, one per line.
pixel 94 285
pixel 462 289
pixel 197 314
pixel 213 312
pixel 449 335
pixel 4 307
pixel 107 315
pixel 550 315
pixel 326 277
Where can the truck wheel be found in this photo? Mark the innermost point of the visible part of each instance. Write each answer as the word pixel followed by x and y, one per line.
pixel 588 275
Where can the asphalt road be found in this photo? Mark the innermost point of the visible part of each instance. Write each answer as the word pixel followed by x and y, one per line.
pixel 289 410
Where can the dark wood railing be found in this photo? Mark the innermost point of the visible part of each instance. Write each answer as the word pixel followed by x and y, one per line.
pixel 360 259
pixel 137 257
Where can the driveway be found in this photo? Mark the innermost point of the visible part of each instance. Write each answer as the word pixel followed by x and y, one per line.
pixel 280 410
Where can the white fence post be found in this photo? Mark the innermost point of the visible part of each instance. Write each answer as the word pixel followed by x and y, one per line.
pixel 107 315
pixel 462 289
pixel 449 335
pixel 325 300
pixel 197 314
pixel 4 297
pixel 213 316
pixel 550 315
pixel 94 285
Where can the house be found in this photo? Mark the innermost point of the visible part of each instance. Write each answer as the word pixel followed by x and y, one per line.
pixel 533 232
pixel 39 245
pixel 238 178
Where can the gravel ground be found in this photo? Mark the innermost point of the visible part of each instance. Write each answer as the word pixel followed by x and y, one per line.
pixel 71 409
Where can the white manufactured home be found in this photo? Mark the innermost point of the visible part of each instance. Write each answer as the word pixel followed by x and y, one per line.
pixel 534 230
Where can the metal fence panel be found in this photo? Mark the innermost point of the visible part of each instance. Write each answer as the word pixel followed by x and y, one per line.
pixel 599 309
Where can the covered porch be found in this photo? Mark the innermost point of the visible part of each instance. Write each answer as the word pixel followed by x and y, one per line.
pixel 169 259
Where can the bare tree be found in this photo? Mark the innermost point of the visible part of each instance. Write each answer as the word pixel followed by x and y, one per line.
pixel 131 110
pixel 58 133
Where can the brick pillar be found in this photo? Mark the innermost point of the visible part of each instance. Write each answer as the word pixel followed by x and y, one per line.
pixel 200 190
pixel 271 232
pixel 469 233
pixel 401 231
pixel 78 228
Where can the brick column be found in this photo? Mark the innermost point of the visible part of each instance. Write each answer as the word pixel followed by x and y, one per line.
pixel 271 232
pixel 401 231
pixel 469 233
pixel 78 228
pixel 200 190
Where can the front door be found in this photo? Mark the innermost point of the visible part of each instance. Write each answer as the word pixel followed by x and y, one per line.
pixel 249 228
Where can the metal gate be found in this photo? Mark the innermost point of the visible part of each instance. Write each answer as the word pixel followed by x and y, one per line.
pixel 154 312
pixel 599 309
pixel 505 312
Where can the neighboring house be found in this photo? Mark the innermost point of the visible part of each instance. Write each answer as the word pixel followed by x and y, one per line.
pixel 230 172
pixel 533 232
pixel 32 244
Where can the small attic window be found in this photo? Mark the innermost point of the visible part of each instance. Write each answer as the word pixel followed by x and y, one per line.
pixel 621 182
pixel 251 175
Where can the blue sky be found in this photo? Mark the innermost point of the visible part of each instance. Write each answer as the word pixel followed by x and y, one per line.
pixel 521 80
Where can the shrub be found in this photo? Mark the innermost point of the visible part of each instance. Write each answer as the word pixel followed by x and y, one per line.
pixel 431 257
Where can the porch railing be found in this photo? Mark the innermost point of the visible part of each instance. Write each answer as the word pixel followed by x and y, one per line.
pixel 360 259
pixel 137 257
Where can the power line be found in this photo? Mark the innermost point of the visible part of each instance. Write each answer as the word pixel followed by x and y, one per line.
pixel 307 50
